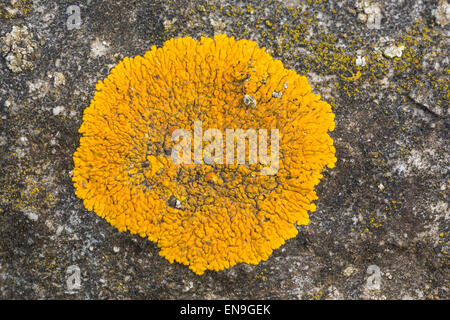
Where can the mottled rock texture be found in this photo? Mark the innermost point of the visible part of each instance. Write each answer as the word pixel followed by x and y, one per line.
pixel 381 229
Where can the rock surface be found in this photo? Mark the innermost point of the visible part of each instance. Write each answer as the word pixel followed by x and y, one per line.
pixel 381 229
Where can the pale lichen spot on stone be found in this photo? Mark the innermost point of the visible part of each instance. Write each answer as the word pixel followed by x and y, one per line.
pixel 99 48
pixel 442 13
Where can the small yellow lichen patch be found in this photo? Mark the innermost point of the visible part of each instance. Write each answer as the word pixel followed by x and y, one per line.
pixel 208 217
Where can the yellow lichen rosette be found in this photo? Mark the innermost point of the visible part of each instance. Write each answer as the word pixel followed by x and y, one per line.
pixel 208 217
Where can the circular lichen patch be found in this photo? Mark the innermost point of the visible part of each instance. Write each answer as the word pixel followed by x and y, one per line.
pixel 206 216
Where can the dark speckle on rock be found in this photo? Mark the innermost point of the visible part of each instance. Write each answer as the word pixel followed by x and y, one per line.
pixel 381 229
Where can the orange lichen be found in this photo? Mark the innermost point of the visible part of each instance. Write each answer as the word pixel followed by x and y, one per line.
pixel 209 217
